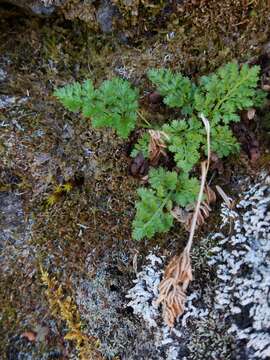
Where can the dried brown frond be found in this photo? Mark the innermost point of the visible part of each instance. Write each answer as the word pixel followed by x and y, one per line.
pixel 157 145
pixel 177 276
pixel 211 197
pixel 205 209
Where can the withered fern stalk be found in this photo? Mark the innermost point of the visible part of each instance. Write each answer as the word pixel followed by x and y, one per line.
pixel 178 273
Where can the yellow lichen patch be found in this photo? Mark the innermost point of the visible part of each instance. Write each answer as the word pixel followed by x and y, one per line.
pixel 52 199
pixel 59 190
pixel 64 307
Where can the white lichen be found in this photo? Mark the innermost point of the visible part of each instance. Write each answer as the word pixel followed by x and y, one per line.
pixel 144 294
pixel 243 271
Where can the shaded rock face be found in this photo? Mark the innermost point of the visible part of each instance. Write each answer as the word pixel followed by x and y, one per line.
pixel 11 219
pixel 103 15
pixel 38 7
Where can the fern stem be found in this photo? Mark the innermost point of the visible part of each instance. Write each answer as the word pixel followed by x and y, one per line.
pixel 144 119
pixel 205 167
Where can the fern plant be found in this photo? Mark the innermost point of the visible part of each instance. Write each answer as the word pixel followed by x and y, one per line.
pixel 114 104
pixel 219 96
pixel 178 91
pixel 153 211
pixel 184 141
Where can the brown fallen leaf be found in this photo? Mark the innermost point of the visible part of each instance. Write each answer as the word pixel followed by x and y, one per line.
pixel 29 335
pixel 139 166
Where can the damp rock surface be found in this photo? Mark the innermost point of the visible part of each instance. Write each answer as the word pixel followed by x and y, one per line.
pixel 82 236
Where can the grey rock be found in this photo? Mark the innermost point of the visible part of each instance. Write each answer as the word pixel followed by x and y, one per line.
pixel 35 7
pixel 105 14
pixel 12 222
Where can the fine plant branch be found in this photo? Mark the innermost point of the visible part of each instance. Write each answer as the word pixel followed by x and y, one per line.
pixel 204 170
pixel 207 129
pixel 148 125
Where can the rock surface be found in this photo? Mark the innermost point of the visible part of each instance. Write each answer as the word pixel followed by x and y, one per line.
pixel 35 7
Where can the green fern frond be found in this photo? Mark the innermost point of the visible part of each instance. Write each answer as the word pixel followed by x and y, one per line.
pixel 153 211
pixel 162 181
pixel 152 215
pixel 223 142
pixel 70 96
pixel 222 94
pixel 187 190
pixel 185 139
pixel 114 104
pixel 142 146
pixel 177 90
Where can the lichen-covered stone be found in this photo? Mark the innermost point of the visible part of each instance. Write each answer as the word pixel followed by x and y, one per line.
pixel 227 313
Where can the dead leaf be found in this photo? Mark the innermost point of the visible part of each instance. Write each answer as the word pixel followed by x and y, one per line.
pixel 139 166
pixel 29 335
pixel 172 288
pixel 157 146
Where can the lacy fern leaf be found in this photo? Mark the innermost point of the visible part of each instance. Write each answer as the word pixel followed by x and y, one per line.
pixel 152 215
pixel 162 181
pixel 70 96
pixel 185 139
pixel 220 95
pixel 223 142
pixel 114 104
pixel 187 190
pixel 177 89
pixel 153 211
pixel 142 146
